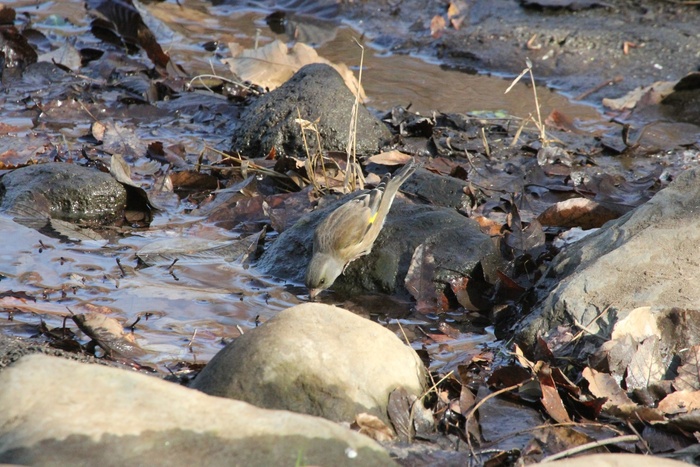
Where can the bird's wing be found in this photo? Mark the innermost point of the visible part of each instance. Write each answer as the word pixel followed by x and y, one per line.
pixel 349 223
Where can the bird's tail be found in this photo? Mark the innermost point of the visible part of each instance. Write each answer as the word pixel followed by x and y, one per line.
pixel 391 187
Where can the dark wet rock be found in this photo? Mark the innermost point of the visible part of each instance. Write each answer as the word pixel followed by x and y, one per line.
pixel 15 53
pixel 317 92
pixel 315 359
pixel 648 257
pixel 439 190
pixel 58 412
pixel 456 243
pixel 62 191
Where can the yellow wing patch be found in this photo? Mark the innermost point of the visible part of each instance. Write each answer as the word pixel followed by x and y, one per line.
pixel 373 218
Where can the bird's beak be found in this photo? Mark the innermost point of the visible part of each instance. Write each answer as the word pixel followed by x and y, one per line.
pixel 313 293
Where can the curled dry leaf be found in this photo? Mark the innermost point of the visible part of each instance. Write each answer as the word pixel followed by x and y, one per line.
pixel 273 64
pixel 109 334
pixel 370 425
pixel 577 212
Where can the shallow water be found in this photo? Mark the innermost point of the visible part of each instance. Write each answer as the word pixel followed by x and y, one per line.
pixel 190 310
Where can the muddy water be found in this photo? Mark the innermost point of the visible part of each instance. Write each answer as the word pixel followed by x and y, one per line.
pixel 389 80
pixel 187 313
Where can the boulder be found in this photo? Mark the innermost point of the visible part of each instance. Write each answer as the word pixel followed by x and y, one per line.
pixel 648 257
pixel 60 412
pixel 62 191
pixel 316 93
pixel 315 359
pixel 456 243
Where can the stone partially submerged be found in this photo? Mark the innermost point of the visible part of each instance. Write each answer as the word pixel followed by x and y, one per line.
pixel 62 191
pixel 316 93
pixel 456 243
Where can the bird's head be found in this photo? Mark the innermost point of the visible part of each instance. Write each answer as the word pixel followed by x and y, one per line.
pixel 323 270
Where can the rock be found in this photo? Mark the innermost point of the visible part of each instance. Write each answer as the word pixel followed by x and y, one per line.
pixel 62 191
pixel 438 189
pixel 648 257
pixel 315 359
pixel 59 412
pixel 456 242
pixel 317 92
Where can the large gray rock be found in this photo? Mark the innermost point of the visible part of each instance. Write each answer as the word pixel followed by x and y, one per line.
pixel 456 243
pixel 62 191
pixel 316 92
pixel 649 257
pixel 58 412
pixel 315 359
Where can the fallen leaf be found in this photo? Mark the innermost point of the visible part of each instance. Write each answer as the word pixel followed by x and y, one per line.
pixel 437 26
pixel 689 371
pixel 390 158
pixel 647 365
pixel 550 395
pixel 109 334
pixel 680 402
pixel 273 64
pixel 604 385
pixel 577 212
pixel 399 411
pixel 419 279
pixel 370 425
pixel 639 324
pixel 652 94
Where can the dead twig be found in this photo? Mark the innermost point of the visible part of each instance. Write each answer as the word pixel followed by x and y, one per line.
pixel 588 446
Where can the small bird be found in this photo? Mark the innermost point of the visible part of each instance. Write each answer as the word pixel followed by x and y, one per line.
pixel 350 231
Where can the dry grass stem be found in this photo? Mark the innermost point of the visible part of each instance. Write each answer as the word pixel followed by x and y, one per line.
pixel 353 173
pixel 538 122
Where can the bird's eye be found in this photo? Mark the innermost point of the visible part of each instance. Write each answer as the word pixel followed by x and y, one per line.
pixel 322 281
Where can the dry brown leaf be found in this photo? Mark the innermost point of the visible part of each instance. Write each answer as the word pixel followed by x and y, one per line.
pixel 577 212
pixel 654 93
pixel 689 372
pixel 488 226
pixel 680 402
pixel 639 324
pixel 550 395
pixel 370 425
pixel 647 365
pixel 390 158
pixel 437 26
pixel 452 10
pixel 604 385
pixel 273 64
pixel 520 355
pixel 109 334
